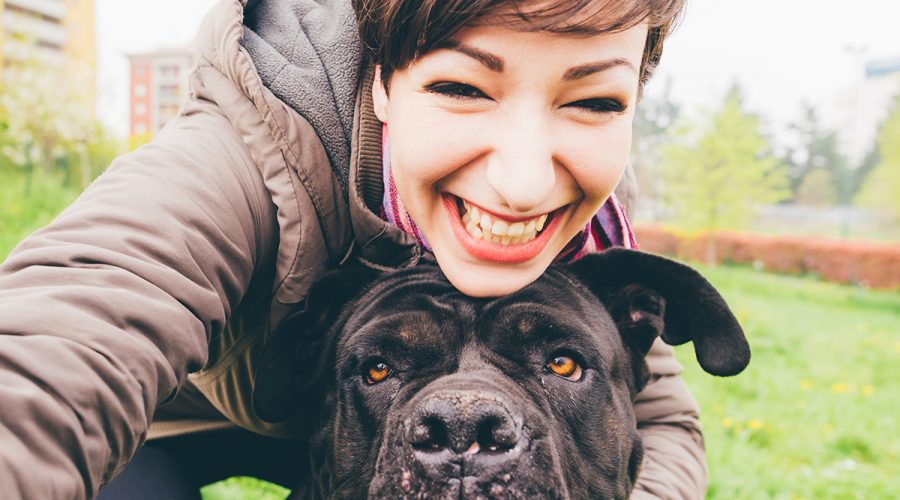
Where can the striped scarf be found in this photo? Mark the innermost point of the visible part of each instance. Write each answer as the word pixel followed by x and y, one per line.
pixel 608 228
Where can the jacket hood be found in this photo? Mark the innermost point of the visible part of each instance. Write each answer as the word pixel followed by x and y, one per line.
pixel 308 53
pixel 286 73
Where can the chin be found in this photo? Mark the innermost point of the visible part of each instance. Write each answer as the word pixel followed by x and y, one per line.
pixel 489 279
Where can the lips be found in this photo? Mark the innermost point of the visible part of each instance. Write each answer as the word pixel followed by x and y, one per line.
pixel 491 237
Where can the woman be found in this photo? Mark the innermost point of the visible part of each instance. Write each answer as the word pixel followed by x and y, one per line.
pixel 488 133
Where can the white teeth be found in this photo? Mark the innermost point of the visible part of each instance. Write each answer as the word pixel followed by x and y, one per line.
pixel 485 227
pixel 486 223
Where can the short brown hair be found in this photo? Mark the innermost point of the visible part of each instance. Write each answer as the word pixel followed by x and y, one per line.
pixel 396 32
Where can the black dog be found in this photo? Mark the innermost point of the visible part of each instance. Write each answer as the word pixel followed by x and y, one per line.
pixel 414 390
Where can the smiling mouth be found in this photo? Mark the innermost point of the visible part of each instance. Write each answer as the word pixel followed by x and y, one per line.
pixel 488 227
pixel 490 237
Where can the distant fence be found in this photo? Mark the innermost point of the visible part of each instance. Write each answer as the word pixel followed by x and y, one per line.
pixel 866 263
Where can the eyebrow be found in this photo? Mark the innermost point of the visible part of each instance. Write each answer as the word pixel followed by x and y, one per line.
pixel 492 62
pixel 588 69
pixel 496 63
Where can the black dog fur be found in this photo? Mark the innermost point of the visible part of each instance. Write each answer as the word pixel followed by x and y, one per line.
pixel 469 408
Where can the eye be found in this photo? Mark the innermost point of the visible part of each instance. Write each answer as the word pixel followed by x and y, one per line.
pixel 565 367
pixel 455 90
pixel 605 105
pixel 376 371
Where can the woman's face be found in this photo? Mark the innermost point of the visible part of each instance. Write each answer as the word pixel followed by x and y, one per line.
pixel 505 143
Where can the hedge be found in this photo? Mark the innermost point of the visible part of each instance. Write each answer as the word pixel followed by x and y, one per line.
pixel 859 262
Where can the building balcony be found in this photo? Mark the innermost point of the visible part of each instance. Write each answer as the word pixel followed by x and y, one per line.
pixel 55 9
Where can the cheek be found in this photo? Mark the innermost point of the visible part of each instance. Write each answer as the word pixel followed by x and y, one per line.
pixel 428 147
pixel 597 160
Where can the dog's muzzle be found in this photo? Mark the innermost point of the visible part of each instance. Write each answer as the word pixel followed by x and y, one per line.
pixel 478 426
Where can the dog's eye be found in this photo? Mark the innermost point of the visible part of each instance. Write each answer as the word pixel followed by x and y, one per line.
pixel 377 372
pixel 565 367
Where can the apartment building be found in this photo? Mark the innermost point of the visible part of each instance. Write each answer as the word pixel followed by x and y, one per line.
pixel 158 87
pixel 56 32
pixel 863 107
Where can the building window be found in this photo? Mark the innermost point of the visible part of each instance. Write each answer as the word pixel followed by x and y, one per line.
pixel 140 109
pixel 168 71
pixel 140 90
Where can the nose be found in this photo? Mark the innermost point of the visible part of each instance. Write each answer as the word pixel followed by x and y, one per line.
pixel 521 168
pixel 471 422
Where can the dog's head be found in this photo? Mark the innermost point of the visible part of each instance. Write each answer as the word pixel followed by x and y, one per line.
pixel 415 390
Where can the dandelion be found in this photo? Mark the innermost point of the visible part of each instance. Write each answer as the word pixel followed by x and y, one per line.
pixel 867 390
pixel 727 423
pixel 806 384
pixel 841 388
pixel 827 428
pixel 897 346
pixel 755 424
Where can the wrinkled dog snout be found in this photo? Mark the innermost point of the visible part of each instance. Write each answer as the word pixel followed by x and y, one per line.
pixel 478 424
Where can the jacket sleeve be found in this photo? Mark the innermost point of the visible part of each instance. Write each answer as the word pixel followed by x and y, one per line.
pixel 104 312
pixel 669 424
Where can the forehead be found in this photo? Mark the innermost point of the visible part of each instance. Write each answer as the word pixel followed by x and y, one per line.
pixel 426 314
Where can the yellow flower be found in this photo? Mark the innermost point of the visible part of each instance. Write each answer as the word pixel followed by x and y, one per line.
pixel 867 390
pixel 806 384
pixel 727 423
pixel 897 346
pixel 841 388
pixel 754 424
pixel 827 428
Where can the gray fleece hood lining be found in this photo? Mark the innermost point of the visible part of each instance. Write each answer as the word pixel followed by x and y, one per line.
pixel 308 54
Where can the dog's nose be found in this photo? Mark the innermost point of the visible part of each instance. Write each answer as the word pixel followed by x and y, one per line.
pixel 468 422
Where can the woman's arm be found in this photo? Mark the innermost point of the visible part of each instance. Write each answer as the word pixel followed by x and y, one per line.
pixel 104 312
pixel 668 421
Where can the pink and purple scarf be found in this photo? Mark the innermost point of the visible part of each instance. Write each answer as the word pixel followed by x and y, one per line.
pixel 608 228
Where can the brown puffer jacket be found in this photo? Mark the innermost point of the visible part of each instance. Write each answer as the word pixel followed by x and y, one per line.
pixel 155 290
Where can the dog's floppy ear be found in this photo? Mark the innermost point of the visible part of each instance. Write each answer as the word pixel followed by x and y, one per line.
pixel 648 296
pixel 300 349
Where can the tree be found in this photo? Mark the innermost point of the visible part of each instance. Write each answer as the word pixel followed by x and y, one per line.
pixel 46 119
pixel 881 188
pixel 653 120
pixel 717 171
pixel 815 153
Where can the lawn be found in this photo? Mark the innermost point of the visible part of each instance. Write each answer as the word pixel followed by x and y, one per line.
pixel 814 416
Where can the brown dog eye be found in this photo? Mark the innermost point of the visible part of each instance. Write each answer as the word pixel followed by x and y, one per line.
pixel 565 367
pixel 377 372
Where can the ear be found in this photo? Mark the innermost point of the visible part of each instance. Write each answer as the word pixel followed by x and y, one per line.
pixel 379 96
pixel 300 352
pixel 649 296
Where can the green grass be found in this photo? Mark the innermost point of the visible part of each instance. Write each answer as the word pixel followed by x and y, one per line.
pixel 23 209
pixel 814 416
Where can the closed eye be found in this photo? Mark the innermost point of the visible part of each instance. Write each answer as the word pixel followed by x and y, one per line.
pixel 455 90
pixel 599 105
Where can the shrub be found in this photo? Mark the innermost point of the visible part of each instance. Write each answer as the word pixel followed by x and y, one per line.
pixel 866 263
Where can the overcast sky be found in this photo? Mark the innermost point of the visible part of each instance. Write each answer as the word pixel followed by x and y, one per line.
pixel 781 51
